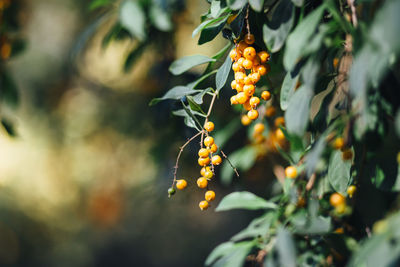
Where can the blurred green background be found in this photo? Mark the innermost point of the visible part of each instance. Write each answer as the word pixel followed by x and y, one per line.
pixel 84 181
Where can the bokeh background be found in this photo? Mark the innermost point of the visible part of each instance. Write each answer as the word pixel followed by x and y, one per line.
pixel 84 181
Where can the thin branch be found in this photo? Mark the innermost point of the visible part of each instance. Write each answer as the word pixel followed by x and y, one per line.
pixel 353 12
pixel 208 115
pixel 311 182
pixel 230 163
pixel 179 155
pixel 247 20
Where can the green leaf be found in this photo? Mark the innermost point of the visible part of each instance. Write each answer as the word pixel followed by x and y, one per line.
pixel 286 248
pixel 211 31
pixel 339 172
pixel 8 91
pixel 198 98
pixel 132 18
pixel 193 105
pixel 176 92
pixel 300 38
pixel 238 23
pixel 223 73
pixel 397 123
pixel 222 52
pixel 298 3
pixel 194 84
pixel 191 114
pixel 287 90
pixel 181 65
pixel 256 5
pixel 258 227
pixel 133 56
pixel 160 18
pixel 242 159
pixel 314 155
pixel 230 254
pixel 244 200
pixel 216 8
pixel 205 24
pixel 98 3
pixel 276 31
pixel 297 113
pixel 236 4
pixel 309 224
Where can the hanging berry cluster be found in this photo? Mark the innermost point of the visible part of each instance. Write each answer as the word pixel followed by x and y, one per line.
pixel 248 67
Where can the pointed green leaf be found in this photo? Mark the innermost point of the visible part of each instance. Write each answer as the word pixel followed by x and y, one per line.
pixel 132 18
pixel 223 73
pixel 181 65
pixel 244 200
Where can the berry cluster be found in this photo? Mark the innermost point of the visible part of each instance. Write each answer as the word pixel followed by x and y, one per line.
pixel 207 160
pixel 248 67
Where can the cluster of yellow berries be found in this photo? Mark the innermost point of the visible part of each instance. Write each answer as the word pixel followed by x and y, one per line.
pixel 248 67
pixel 339 144
pixel 207 160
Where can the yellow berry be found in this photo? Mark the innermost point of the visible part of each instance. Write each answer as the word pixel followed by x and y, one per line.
pixel 236 67
pixel 209 126
pixel 234 100
pixel 216 160
pixel 242 46
pixel 249 90
pixel 181 184
pixel 291 172
pixel 234 55
pixel 347 154
pixel 252 114
pixel 204 170
pixel 240 61
pixel 341 208
pixel 247 64
pixel 351 190
pixel 247 105
pixel 259 128
pixel 245 120
pixel 261 69
pixel 249 38
pixel 210 195
pixel 202 182
pixel 233 84
pixel 249 53
pixel 239 76
pixel 338 143
pixel 247 80
pixel 255 77
pixel 208 141
pixel 280 121
pixel 242 97
pixel 203 161
pixel 264 56
pixel 280 136
pixel 266 95
pixel 203 153
pixel 254 101
pixel 239 87
pixel 214 148
pixel 203 205
pixel 270 111
pixel 337 199
pixel 256 61
pixel 208 174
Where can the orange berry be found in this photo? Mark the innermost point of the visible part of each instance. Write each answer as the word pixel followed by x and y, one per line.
pixel 236 67
pixel 234 100
pixel 214 148
pixel 204 153
pixel 234 55
pixel 252 114
pixel 210 195
pixel 261 69
pixel 204 170
pixel 247 105
pixel 181 184
pixel 245 120
pixel 240 61
pixel 280 136
pixel 337 199
pixel 351 190
pixel 249 89
pixel 216 160
pixel 239 87
pixel 208 141
pixel 266 95
pixel 279 121
pixel 291 172
pixel 242 46
pixel 338 143
pixel 249 38
pixel 259 128
pixel 203 205
pixel 208 174
pixel 335 62
pixel 247 64
pixel 209 126
pixel 254 101
pixel 256 61
pixel 203 161
pixel 233 84
pixel 239 76
pixel 347 154
pixel 249 53
pixel 5 50
pixel 264 56
pixel 247 80
pixel 202 182
pixel 241 97
pixel 270 111
pixel 255 77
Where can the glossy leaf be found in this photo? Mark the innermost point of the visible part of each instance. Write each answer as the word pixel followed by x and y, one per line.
pixel 230 254
pixel 236 4
pixel 223 73
pixel 132 18
pixel 176 92
pixel 210 32
pixel 286 248
pixel 244 200
pixel 256 5
pixel 287 90
pixel 183 64
pixel 339 172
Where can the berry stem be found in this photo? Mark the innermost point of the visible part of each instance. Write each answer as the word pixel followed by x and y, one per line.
pixel 214 96
pixel 230 163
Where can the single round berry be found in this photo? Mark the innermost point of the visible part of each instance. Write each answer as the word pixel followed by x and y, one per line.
pixel 209 126
pixel 242 97
pixel 261 69
pixel 338 143
pixel 247 80
pixel 171 191
pixel 240 61
pixel 347 154
pixel 234 55
pixel 249 89
pixel 213 148
pixel 245 120
pixel 249 38
pixel 255 77
pixel 247 64
pixel 181 184
pixel 233 84
pixel 249 53
pixel 234 100
pixel 280 136
pixel 256 61
pixel 242 46
pixel 291 172
pixel 216 160
pixel 203 205
pixel 202 182
pixel 236 67
pixel 259 128
pixel 266 95
pixel 210 195
pixel 239 87
pixel 204 170
pixel 247 105
pixel 208 174
pixel 254 101
pixel 270 111
pixel 264 56
pixel 280 121
pixel 341 208
pixel 337 199
pixel 252 114
pixel 203 161
pixel 351 190
pixel 239 76
pixel 203 153
pixel 208 141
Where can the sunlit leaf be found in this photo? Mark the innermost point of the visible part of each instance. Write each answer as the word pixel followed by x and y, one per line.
pixel 183 64
pixel 244 200
pixel 132 18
